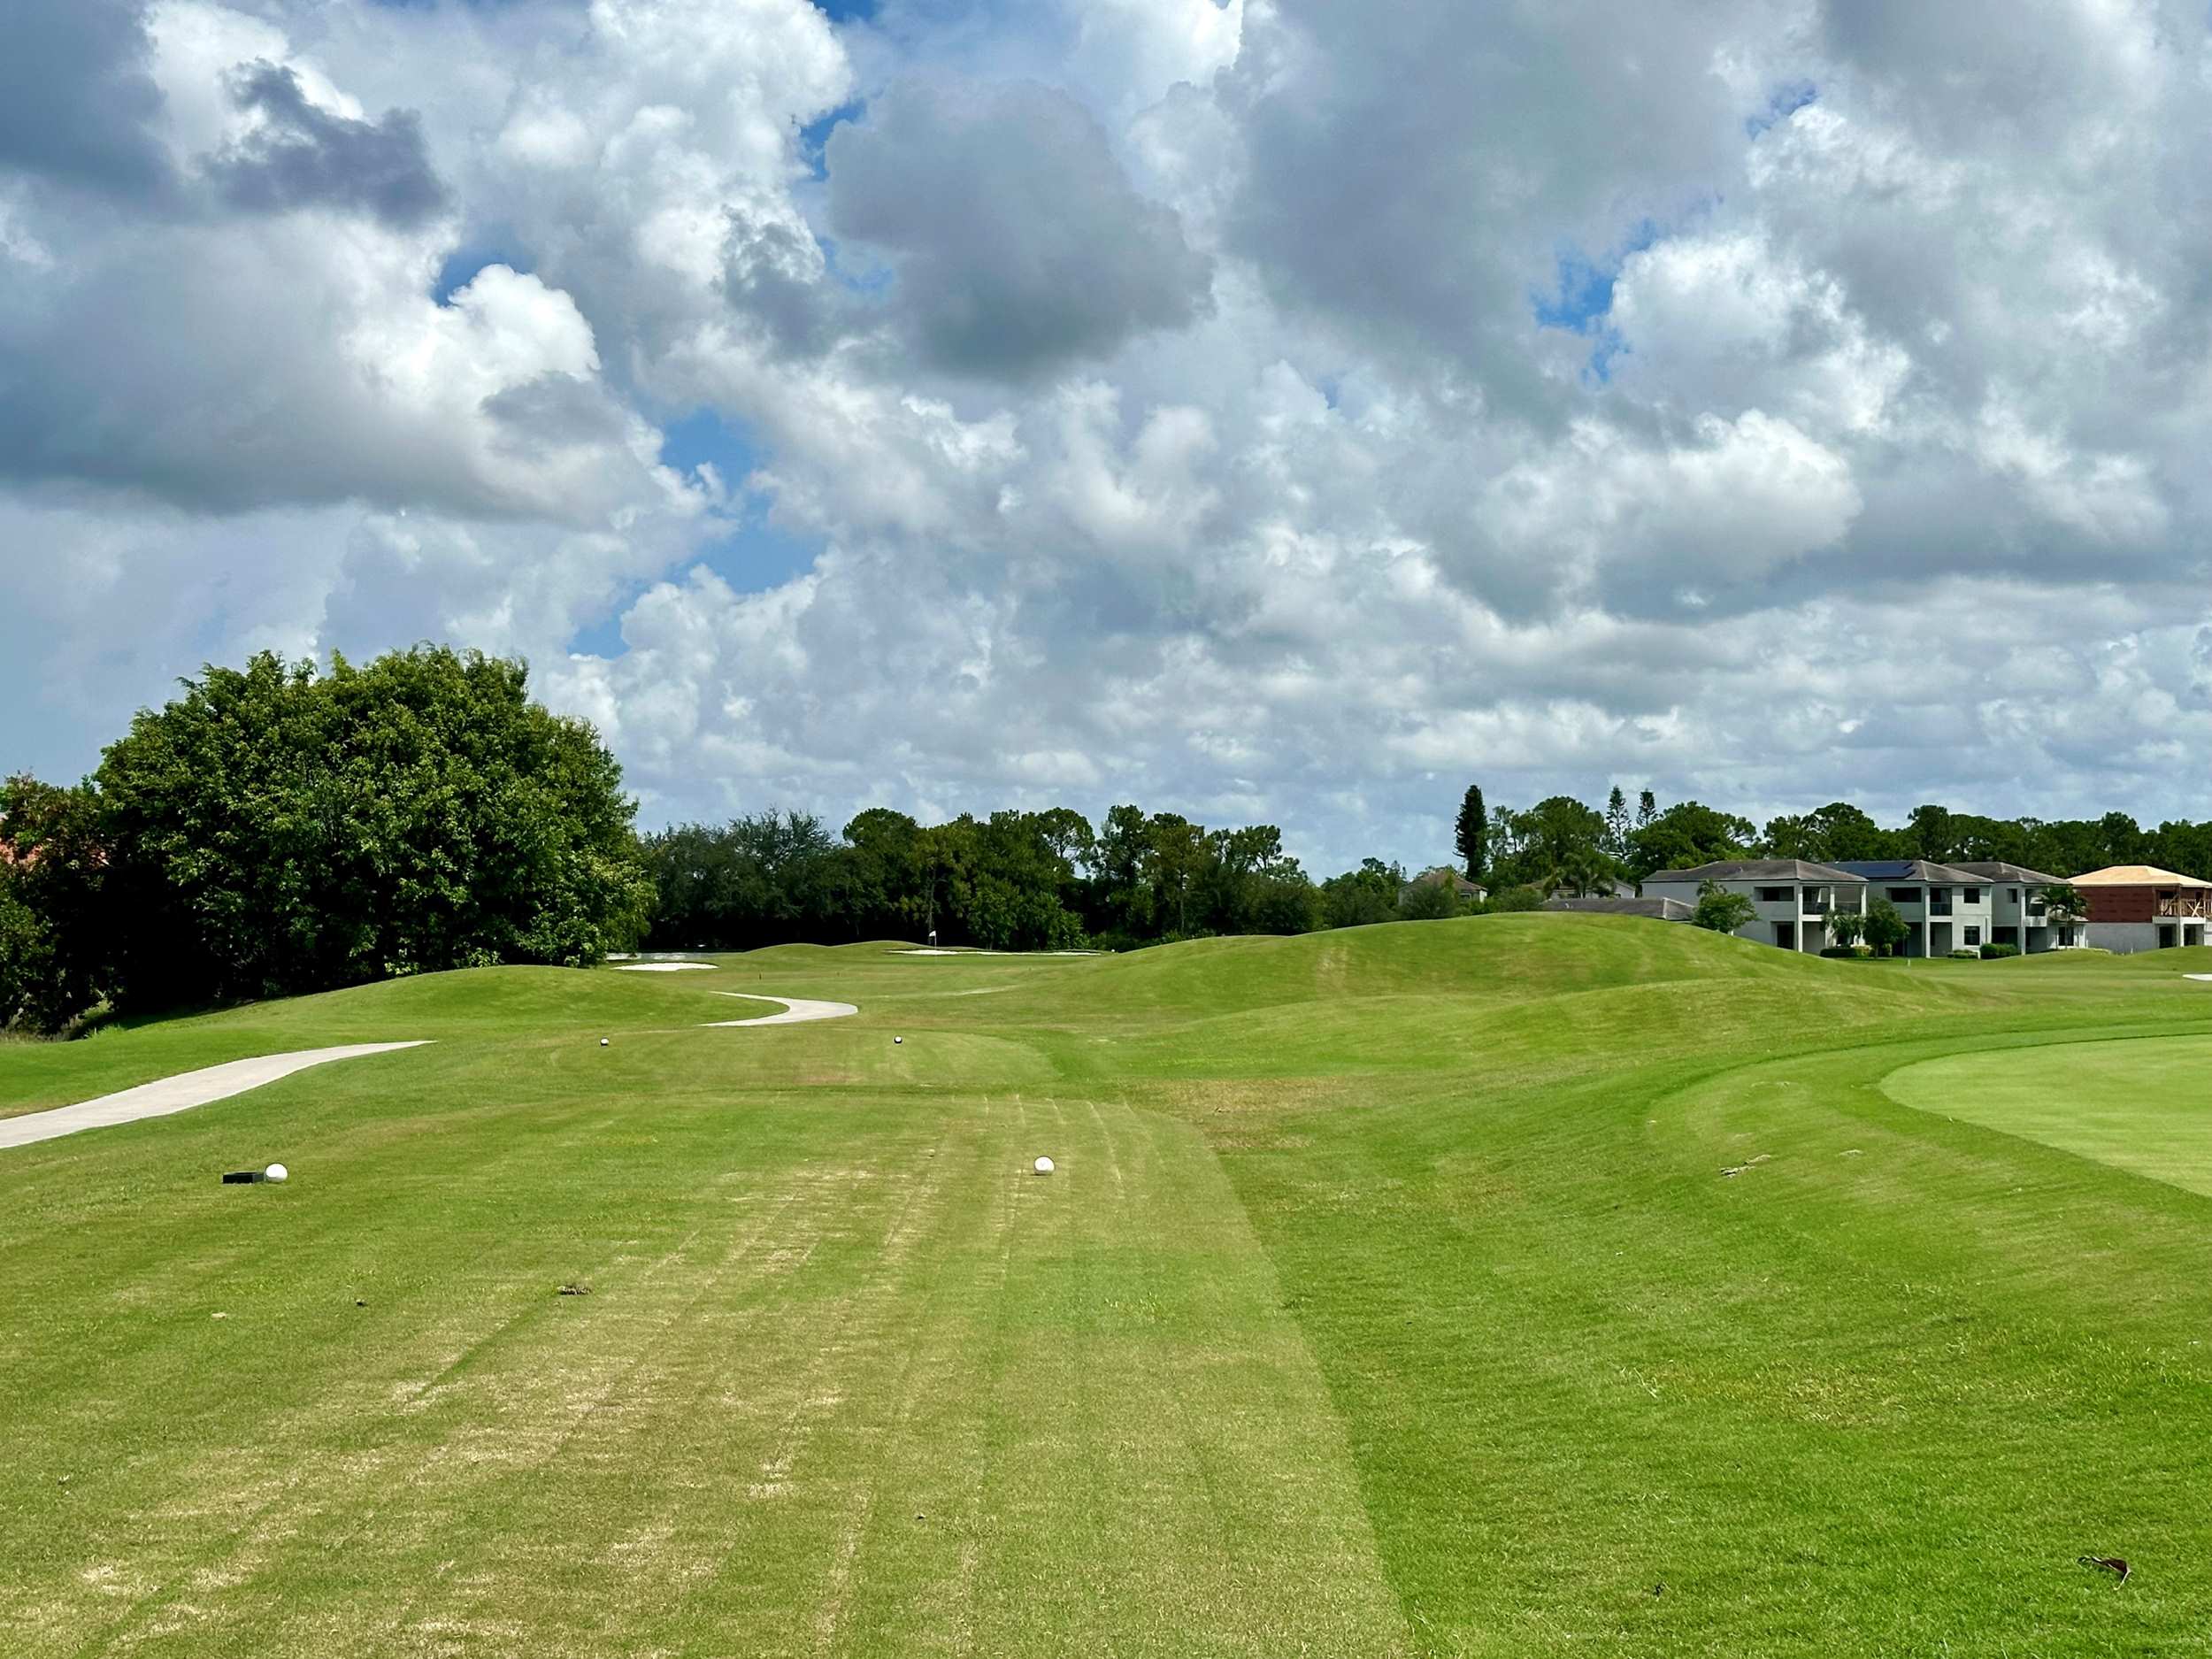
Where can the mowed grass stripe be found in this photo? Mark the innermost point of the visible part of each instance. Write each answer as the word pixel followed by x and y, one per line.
pixel 804 1329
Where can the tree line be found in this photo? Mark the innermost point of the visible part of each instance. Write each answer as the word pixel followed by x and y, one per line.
pixel 1013 880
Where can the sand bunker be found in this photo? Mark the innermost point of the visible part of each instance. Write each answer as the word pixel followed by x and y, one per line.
pixel 177 1094
pixel 795 1010
pixel 663 967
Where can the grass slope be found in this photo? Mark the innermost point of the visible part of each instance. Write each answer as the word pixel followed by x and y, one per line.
pixel 1391 1298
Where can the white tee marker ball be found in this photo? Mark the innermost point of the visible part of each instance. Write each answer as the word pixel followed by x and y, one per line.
pixel 1044 1166
pixel 276 1173
pixel 602 1042
pixel 898 1040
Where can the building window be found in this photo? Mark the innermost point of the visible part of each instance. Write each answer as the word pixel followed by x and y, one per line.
pixel 2015 896
pixel 1973 935
pixel 1973 895
pixel 1904 895
pixel 1774 896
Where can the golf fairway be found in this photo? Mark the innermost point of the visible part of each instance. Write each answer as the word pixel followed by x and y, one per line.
pixel 1389 1295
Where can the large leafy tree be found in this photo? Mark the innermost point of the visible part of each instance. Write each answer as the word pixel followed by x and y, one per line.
pixel 1841 831
pixel 275 830
pixel 1686 835
pixel 1556 843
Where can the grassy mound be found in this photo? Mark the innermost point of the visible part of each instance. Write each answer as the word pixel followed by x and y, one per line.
pixel 1506 1286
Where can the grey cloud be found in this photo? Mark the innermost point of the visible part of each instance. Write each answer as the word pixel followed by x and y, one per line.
pixel 75 95
pixel 1020 242
pixel 1416 174
pixel 557 409
pixel 302 155
pixel 774 273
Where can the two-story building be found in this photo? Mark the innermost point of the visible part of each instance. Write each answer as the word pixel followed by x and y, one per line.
pixel 2018 912
pixel 1791 898
pixel 2140 907
pixel 1945 909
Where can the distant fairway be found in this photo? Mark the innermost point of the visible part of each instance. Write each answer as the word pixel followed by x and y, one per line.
pixel 2144 1106
pixel 1390 1297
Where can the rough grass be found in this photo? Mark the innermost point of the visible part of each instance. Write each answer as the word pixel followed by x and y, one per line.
pixel 1391 1297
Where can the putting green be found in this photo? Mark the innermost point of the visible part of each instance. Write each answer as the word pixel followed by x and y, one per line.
pixel 2143 1105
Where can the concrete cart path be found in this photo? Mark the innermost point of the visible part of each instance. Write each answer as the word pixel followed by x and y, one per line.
pixel 795 1009
pixel 177 1094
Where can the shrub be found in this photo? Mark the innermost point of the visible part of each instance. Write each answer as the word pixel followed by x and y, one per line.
pixel 1514 899
pixel 1990 953
pixel 1966 953
pixel 1850 953
pixel 1719 911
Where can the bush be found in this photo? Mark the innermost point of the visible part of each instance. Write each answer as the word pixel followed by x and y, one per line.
pixel 1514 899
pixel 1851 952
pixel 1991 953
pixel 1966 953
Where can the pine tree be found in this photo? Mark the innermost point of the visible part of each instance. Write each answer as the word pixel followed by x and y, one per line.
pixel 1646 808
pixel 1617 823
pixel 1474 833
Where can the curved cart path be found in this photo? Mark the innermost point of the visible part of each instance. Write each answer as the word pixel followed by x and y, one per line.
pixel 177 1094
pixel 795 1009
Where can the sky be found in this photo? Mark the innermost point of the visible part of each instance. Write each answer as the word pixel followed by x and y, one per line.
pixel 1277 411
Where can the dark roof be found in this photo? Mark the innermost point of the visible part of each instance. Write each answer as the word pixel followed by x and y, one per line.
pixel 1758 870
pixel 1997 869
pixel 1658 909
pixel 1912 870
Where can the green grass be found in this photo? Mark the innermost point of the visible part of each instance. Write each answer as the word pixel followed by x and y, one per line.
pixel 1391 1297
pixel 2144 1106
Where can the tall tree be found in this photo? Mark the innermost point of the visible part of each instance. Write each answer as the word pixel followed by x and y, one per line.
pixel 1929 830
pixel 1646 808
pixel 1175 855
pixel 1841 831
pixel 1472 836
pixel 1788 836
pixel 1616 824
